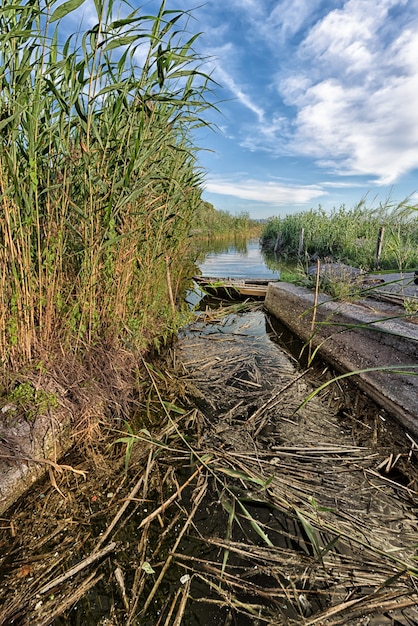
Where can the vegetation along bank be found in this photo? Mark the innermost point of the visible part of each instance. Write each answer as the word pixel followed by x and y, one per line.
pixel 349 235
pixel 98 189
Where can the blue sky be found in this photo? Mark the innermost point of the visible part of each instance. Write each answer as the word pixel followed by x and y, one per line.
pixel 318 102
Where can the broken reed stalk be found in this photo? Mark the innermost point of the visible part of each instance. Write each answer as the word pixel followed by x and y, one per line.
pixel 197 500
pixel 250 610
pixel 314 310
pixel 309 536
pixel 271 402
pixel 70 599
pixel 170 500
pixel 340 608
pixel 182 606
pixel 119 514
pixel 139 578
pixel 169 285
pixel 95 556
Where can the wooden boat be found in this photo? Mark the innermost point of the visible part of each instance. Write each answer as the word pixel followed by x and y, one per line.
pixel 234 288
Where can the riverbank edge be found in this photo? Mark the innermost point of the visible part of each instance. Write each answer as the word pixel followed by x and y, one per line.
pixel 35 448
pixel 356 336
pixel 92 396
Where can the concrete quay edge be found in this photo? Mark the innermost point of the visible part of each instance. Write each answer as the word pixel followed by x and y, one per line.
pixel 377 343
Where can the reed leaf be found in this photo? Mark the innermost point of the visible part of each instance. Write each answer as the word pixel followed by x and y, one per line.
pixel 406 370
pixel 254 524
pixel 65 8
pixel 98 177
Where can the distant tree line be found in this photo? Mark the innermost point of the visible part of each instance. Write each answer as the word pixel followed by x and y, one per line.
pixel 208 221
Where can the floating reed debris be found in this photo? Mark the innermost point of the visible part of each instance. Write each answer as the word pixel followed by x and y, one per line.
pixel 303 521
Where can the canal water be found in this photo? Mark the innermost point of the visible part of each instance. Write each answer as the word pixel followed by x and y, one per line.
pixel 234 504
pixel 239 258
pixel 243 259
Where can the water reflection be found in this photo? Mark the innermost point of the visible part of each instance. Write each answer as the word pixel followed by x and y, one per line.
pixel 202 247
pixel 237 259
pixel 275 263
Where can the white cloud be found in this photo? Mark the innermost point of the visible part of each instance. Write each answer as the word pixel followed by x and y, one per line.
pixel 354 89
pixel 288 18
pixel 272 23
pixel 228 81
pixel 367 126
pixel 254 7
pixel 262 191
pixel 339 29
pixel 267 136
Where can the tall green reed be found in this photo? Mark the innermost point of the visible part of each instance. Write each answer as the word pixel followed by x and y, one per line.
pixel 214 223
pixel 98 177
pixel 350 235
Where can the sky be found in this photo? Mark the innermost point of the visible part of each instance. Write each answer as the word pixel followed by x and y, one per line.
pixel 317 100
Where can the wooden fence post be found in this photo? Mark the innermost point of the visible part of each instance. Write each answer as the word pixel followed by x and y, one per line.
pixel 301 237
pixel 379 247
pixel 278 244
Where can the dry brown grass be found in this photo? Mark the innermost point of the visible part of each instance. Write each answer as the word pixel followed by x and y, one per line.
pixel 233 506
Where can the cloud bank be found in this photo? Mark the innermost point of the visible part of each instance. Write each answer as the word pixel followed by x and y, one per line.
pixel 345 87
pixel 268 193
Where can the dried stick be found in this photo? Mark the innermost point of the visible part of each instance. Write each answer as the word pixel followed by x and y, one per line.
pixel 183 603
pixel 119 514
pixel 189 520
pixel 169 284
pixel 78 568
pixel 271 400
pixel 67 602
pixel 171 499
pixel 315 306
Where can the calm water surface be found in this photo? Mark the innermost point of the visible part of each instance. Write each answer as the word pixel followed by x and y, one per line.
pixel 243 260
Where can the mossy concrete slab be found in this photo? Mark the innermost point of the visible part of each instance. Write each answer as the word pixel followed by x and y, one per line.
pixel 28 448
pixel 357 336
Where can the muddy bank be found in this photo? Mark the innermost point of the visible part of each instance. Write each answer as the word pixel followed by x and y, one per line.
pixel 235 504
pixel 365 335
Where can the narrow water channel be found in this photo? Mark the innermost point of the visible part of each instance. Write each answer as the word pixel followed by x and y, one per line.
pixel 239 260
pixel 230 502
